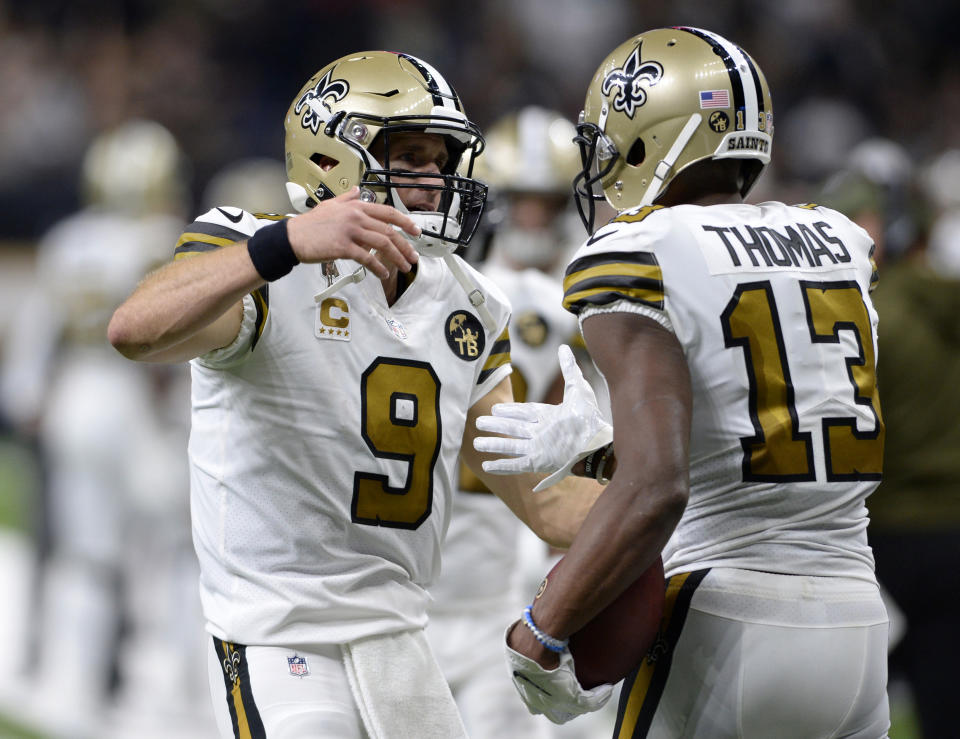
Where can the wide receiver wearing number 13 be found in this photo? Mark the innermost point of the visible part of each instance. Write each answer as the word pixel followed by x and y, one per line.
pixel 330 407
pixel 739 345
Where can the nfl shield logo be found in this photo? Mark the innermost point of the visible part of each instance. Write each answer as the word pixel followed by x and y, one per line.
pixel 298 666
pixel 399 331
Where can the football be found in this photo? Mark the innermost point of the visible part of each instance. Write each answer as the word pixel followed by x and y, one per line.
pixel 614 642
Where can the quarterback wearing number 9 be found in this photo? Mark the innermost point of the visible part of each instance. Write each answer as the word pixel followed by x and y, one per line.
pixel 339 357
pixel 739 345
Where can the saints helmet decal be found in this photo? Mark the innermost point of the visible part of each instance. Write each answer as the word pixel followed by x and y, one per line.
pixel 630 82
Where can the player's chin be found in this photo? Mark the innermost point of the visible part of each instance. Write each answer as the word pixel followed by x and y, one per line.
pixel 423 208
pixel 421 201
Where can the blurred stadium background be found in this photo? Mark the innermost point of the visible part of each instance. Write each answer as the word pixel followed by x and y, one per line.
pixel 219 75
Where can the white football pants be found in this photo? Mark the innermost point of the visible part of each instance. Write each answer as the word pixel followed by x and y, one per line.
pixel 375 688
pixel 755 655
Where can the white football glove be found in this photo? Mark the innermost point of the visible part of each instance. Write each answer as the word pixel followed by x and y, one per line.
pixel 546 438
pixel 555 693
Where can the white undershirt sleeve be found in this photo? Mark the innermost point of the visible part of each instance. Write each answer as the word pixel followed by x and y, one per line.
pixel 239 348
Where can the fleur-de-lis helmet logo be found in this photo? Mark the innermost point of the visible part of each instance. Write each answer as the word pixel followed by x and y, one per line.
pixel 629 79
pixel 311 100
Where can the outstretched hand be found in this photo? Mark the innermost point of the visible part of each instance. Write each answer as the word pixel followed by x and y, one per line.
pixel 544 438
pixel 346 227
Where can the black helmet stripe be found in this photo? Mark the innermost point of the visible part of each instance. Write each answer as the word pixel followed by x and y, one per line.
pixel 439 88
pixel 737 83
pixel 761 109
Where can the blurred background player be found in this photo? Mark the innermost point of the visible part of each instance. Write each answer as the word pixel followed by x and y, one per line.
pixel 256 184
pixel 492 563
pixel 913 215
pixel 529 163
pixel 117 603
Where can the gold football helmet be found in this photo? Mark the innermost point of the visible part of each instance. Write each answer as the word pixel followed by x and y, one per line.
pixel 136 167
pixel 256 184
pixel 530 151
pixel 662 101
pixel 339 114
pixel 529 161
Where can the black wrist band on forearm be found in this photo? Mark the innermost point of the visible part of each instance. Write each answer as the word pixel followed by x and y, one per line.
pixel 270 251
pixel 591 461
pixel 595 462
pixel 601 473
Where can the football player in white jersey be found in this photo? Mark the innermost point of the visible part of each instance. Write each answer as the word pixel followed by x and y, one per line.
pixel 529 161
pixel 739 345
pixel 330 406
pixel 117 525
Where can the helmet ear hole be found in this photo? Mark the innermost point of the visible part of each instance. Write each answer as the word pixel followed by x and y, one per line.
pixel 637 153
pixel 323 161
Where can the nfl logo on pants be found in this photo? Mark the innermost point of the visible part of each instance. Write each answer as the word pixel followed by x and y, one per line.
pixel 298 666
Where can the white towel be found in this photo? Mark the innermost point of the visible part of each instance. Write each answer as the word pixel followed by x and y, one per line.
pixel 399 688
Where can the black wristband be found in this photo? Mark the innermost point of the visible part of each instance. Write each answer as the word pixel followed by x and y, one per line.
pixel 594 463
pixel 270 251
pixel 591 461
pixel 601 476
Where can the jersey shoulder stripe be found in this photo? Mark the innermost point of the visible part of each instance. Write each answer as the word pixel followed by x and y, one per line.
pixel 606 277
pixel 210 232
pixel 202 236
pixel 217 228
pixel 499 356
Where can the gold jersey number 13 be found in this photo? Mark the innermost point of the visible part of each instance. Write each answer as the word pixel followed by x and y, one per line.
pixel 778 451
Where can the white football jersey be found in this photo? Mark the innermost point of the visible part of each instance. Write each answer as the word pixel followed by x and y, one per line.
pixel 538 325
pixel 480 558
pixel 771 305
pixel 323 458
pixel 87 264
pixel 90 261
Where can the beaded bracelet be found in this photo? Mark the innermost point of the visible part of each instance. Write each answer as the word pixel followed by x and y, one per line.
pixel 550 642
pixel 270 251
